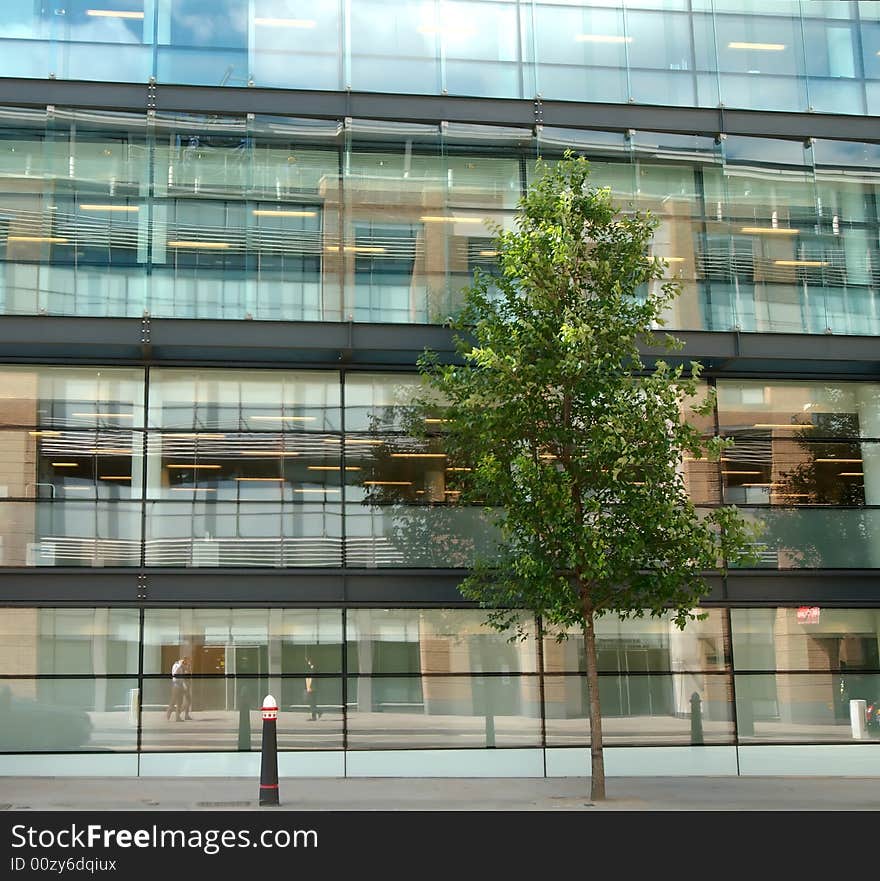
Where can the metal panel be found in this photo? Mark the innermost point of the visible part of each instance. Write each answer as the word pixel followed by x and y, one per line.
pixel 433 108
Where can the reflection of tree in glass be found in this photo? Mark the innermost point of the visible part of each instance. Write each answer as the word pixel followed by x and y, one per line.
pixel 826 472
pixel 408 478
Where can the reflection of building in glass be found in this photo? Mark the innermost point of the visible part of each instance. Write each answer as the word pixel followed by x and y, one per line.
pixel 211 482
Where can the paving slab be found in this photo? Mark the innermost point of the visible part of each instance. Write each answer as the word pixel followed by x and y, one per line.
pixel 442 794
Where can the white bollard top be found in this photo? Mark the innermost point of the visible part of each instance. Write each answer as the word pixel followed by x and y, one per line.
pixel 269 708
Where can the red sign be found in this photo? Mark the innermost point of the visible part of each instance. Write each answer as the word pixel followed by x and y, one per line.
pixel 808 614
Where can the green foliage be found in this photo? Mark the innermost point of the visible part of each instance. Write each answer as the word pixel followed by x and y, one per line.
pixel 575 444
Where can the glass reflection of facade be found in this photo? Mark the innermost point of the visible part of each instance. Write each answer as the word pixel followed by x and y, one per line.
pixel 212 300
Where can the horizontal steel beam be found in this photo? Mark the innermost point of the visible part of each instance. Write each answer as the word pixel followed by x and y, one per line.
pixel 412 588
pixel 514 112
pixel 389 346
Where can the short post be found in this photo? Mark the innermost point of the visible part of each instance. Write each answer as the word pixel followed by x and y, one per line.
pixel 269 762
pixel 696 719
pixel 857 719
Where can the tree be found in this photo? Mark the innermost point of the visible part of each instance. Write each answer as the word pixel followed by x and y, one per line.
pixel 572 442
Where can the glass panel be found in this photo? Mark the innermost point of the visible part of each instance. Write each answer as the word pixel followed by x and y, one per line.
pixel 244 641
pixel 644 645
pixel 68 715
pixel 74 210
pixel 760 60
pixel 68 641
pixel 254 466
pixel 67 464
pixel 64 533
pixel 294 50
pixel 244 400
pixel 799 471
pixel 802 707
pixel 443 712
pixel 665 709
pixel 379 402
pixel 201 533
pixel 756 409
pixel 202 44
pixel 74 397
pixel 395 46
pixel 807 638
pixel 446 536
pixel 416 641
pixel 661 56
pixel 581 52
pixel 816 538
pixel 224 714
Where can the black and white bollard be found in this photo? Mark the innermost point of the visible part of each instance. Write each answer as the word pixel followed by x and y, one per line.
pixel 269 763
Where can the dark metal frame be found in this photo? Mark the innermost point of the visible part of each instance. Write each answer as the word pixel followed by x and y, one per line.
pixel 329 344
pixel 383 588
pixel 513 112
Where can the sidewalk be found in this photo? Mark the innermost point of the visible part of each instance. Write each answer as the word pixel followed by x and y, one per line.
pixel 442 794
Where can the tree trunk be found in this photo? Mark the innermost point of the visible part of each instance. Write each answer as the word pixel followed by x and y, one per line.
pixel 597 758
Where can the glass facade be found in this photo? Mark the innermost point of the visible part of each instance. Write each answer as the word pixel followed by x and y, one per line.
pixel 122 467
pixel 99 679
pixel 180 462
pixel 780 55
pixel 283 219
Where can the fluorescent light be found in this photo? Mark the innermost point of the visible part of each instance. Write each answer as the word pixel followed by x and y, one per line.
pixel 109 451
pixel 769 230
pixel 260 479
pixel 387 483
pixel 193 467
pixel 488 253
pixel 288 418
pixel 184 244
pixel 44 433
pixel 418 455
pixel 434 421
pixel 332 468
pixel 782 425
pixel 762 484
pixel 326 489
pixel 286 22
pixel 851 474
pixel 109 208
pixel 354 249
pixel 673 259
pixel 65 464
pixel 111 477
pixel 105 415
pixel 459 469
pixel 800 263
pixel 83 489
pixel 269 453
pixel 849 461
pixel 113 13
pixel 272 212
pixel 55 240
pixel 442 218
pixel 372 443
pixel 601 38
pixel 762 47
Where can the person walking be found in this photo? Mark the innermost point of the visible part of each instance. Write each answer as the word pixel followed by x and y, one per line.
pixel 180 700
pixel 312 691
